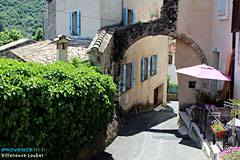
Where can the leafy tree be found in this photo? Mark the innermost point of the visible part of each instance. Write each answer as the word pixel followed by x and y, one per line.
pixel 23 15
pixel 39 35
pixel 9 36
pixel 1 26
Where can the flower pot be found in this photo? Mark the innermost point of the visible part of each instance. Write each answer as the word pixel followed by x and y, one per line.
pixel 219 134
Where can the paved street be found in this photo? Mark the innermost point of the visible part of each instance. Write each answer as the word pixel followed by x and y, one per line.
pixel 152 136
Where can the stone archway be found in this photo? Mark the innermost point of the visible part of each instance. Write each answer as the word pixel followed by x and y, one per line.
pixel 124 37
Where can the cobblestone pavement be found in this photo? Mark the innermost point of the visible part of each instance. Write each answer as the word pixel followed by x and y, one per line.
pixel 152 136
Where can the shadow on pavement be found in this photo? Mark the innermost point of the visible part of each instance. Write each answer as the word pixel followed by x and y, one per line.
pixel 144 121
pixel 103 156
pixel 189 142
pixel 186 140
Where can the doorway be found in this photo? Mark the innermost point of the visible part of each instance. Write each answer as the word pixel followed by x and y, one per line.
pixel 158 95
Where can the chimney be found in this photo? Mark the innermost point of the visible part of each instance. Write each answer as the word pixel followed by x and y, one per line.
pixel 62 48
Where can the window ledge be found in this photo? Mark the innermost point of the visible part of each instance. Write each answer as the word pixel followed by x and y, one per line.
pixel 222 17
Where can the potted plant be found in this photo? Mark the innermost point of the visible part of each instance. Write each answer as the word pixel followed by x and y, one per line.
pixel 218 130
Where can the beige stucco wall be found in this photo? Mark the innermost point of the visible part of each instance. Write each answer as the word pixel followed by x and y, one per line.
pixel 143 8
pixel 142 94
pixel 195 21
pixel 185 94
pixel 221 36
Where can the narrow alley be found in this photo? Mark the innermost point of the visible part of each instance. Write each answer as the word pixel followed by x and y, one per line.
pixel 152 136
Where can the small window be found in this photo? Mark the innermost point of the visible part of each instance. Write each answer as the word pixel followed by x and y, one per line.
pixel 127 77
pixel 222 7
pixel 170 59
pixel 75 23
pixel 145 68
pixel 128 16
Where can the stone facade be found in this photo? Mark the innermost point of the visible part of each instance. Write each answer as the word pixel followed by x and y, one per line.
pixel 50 20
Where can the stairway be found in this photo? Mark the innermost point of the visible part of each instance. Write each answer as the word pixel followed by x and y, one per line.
pixel 193 131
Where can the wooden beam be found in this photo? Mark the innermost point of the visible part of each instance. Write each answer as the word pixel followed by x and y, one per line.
pixel 225 87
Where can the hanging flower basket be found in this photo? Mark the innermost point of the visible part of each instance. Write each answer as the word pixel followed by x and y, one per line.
pixel 219 134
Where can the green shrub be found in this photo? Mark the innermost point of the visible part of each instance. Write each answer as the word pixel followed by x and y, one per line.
pixel 59 106
pixel 9 36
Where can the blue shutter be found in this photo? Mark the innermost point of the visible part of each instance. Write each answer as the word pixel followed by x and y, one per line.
pixel 132 74
pixel 125 16
pixel 153 15
pixel 148 67
pixel 142 70
pixel 78 22
pixel 133 17
pixel 152 60
pixel 71 23
pixel 156 63
pixel 123 79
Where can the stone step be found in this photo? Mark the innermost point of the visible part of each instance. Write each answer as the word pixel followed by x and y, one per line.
pixel 189 111
pixel 186 119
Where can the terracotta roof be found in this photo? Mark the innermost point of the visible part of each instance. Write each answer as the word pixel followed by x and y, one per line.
pixel 45 51
pixel 101 40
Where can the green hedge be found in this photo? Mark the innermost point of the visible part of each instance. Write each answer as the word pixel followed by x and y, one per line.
pixel 59 106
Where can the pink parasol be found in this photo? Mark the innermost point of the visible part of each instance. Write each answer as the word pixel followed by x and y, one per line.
pixel 204 72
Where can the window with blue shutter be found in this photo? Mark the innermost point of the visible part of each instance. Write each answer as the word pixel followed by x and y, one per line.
pixel 152 62
pixel 153 15
pixel 156 63
pixel 142 70
pixel 222 7
pixel 71 23
pixel 78 22
pixel 132 74
pixel 133 17
pixel 148 67
pixel 125 16
pixel 75 23
pixel 123 79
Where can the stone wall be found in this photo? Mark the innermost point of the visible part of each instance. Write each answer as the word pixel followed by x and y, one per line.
pixel 91 150
pixel 50 20
pixel 172 97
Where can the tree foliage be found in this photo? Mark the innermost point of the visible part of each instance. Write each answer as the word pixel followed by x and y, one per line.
pixel 9 36
pixel 59 106
pixel 39 35
pixel 23 15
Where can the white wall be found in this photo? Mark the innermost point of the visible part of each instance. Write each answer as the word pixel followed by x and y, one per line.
pixel 172 70
pixel 111 12
pixel 236 94
pixel 90 17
